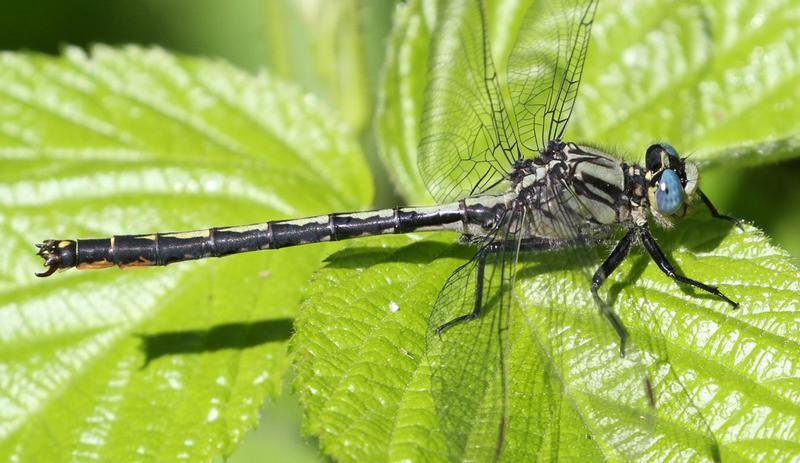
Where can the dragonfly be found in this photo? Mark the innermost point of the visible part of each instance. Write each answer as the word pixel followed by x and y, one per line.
pixel 506 179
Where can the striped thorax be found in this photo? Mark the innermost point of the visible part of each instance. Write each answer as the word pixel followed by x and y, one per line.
pixel 571 191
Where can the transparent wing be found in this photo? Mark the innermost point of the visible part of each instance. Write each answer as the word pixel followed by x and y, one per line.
pixel 615 400
pixel 469 142
pixel 538 374
pixel 591 388
pixel 468 361
pixel 545 67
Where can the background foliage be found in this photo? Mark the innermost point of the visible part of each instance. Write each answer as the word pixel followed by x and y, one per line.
pixel 335 51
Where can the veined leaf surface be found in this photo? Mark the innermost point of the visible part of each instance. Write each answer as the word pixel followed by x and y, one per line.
pixel 152 364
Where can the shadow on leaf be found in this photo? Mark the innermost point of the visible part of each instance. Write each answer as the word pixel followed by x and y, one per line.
pixel 227 336
pixel 421 252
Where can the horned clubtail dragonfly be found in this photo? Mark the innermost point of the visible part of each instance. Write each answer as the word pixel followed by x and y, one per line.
pixel 504 177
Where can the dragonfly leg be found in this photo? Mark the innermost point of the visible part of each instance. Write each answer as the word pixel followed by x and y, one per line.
pixel 715 213
pixel 661 260
pixel 608 266
pixel 477 304
pixel 531 244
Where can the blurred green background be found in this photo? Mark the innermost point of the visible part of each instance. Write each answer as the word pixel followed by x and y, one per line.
pixel 334 50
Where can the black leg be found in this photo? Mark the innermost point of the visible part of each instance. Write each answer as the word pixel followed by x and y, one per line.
pixel 661 260
pixel 531 244
pixel 715 213
pixel 477 303
pixel 608 266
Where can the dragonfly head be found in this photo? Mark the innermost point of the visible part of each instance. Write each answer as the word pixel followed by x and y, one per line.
pixel 671 181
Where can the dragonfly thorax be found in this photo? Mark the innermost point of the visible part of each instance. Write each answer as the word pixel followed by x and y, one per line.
pixel 571 191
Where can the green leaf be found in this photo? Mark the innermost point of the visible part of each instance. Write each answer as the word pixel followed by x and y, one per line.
pixel 724 380
pixel 709 77
pixel 153 364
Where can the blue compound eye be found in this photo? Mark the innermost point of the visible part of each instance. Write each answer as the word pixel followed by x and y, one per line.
pixel 669 149
pixel 669 193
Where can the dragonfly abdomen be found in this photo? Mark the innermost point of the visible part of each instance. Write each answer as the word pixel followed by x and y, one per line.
pixel 166 248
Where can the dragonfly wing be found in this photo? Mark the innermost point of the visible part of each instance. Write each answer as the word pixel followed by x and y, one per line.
pixel 467 139
pixel 468 360
pixel 613 402
pixel 545 67
pixel 536 375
